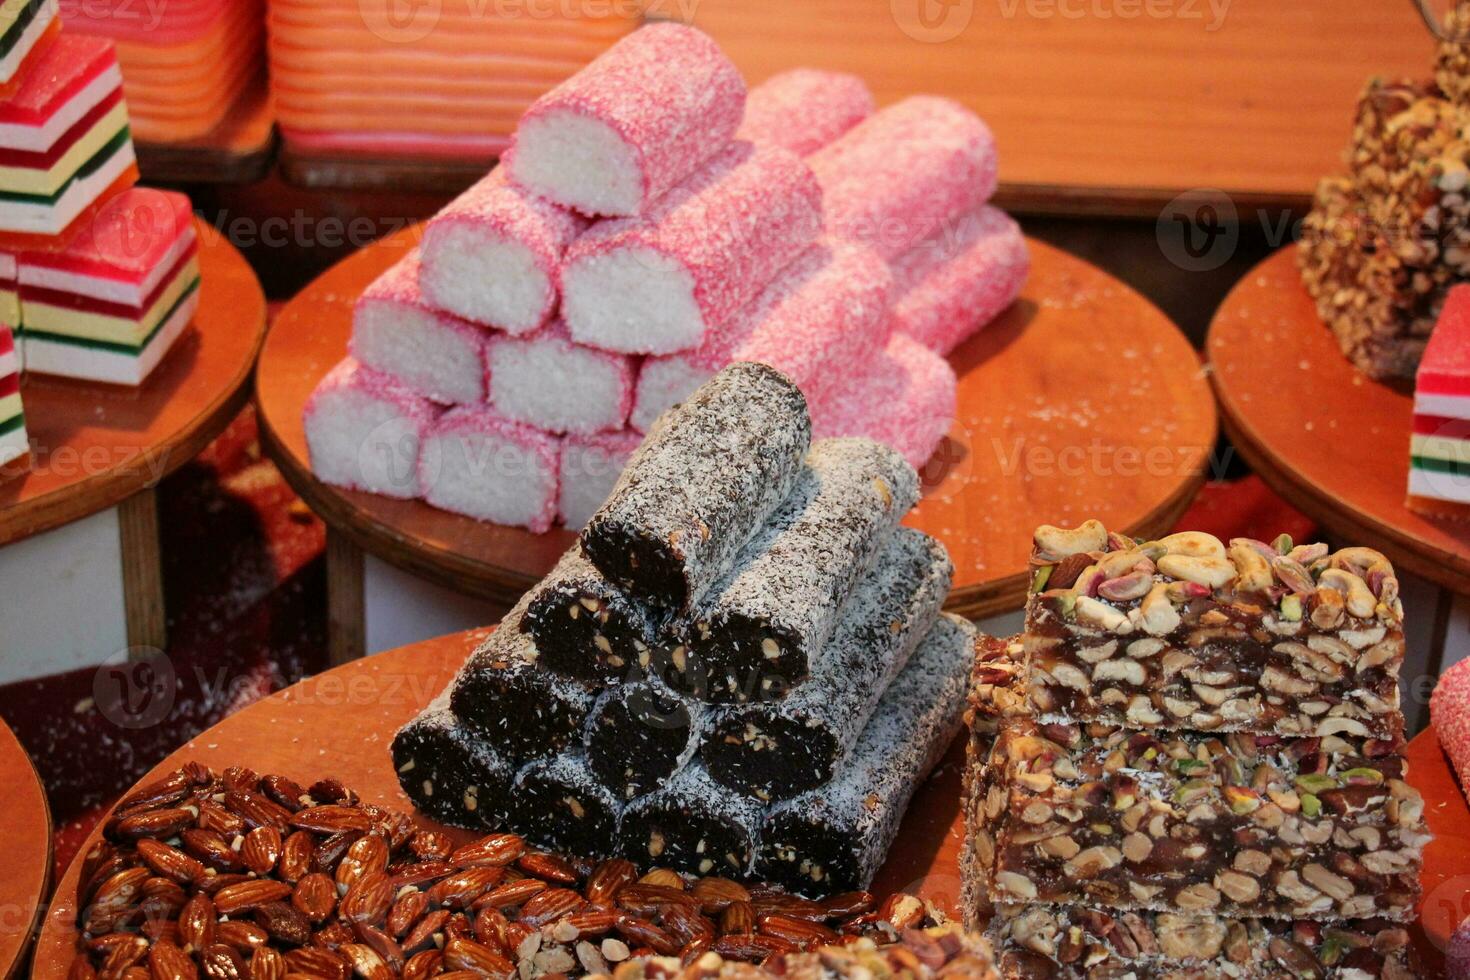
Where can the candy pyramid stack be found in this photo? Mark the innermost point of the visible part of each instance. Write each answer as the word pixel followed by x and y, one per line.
pixel 1199 765
pixel 184 63
pixel 741 666
pixel 650 225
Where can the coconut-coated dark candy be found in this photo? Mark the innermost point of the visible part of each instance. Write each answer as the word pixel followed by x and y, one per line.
pixel 558 804
pixel 760 628
pixel 703 481
pixel 641 733
pixel 505 695
pixel 694 825
pixel 834 838
pixel 585 626
pixel 448 773
pixel 774 750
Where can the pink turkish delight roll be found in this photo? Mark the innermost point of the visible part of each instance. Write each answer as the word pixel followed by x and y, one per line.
pixel 830 302
pixel 646 114
pixel 547 380
pixel 955 282
pixel 478 463
pixel 493 255
pixel 396 331
pixel 896 178
pixel 904 397
pixel 590 465
pixel 365 429
pixel 804 109
pixel 1449 709
pixel 660 283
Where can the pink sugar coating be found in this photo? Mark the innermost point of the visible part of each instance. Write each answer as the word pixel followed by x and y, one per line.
pixel 956 281
pixel 825 308
pixel 904 397
pixel 804 109
pixel 893 179
pixel 543 228
pixel 734 226
pixel 399 286
pixel 1457 953
pixel 351 374
pixel 484 420
pixel 556 333
pixel 1449 711
pixel 667 90
pixel 620 442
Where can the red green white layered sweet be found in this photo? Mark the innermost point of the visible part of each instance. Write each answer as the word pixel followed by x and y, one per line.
pixel 64 137
pixel 13 443
pixel 108 305
pixel 22 24
pixel 1439 453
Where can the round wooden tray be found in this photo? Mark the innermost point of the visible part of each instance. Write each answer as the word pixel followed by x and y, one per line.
pixel 25 861
pixel 1327 438
pixel 94 445
pixel 1083 400
pixel 340 723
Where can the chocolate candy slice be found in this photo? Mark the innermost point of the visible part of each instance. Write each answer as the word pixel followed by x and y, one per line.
pixel 693 824
pixel 447 772
pixel 557 803
pixel 640 734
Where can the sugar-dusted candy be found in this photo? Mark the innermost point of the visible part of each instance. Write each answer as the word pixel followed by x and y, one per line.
pixel 558 804
pixel 365 431
pixel 547 380
pixel 478 463
pixel 692 824
pixel 804 109
pixel 448 772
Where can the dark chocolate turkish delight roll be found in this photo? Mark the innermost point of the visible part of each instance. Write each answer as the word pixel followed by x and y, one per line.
pixel 585 626
pixel 760 628
pixel 558 804
pixel 833 838
pixel 703 481
pixel 776 749
pixel 448 773
pixel 504 694
pixel 693 824
pixel 641 733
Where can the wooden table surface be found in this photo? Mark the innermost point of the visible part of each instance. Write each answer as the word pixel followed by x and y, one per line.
pixel 1324 436
pixel 1102 106
pixel 25 860
pixel 341 722
pixel 1083 400
pixel 94 445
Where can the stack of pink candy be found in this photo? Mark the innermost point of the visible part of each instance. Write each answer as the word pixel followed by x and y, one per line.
pixel 650 225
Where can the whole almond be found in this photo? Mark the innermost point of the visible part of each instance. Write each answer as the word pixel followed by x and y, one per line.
pixel 222 962
pixel 406 911
pixel 649 901
pixel 458 890
pixel 789 905
pixel 283 792
pixel 122 955
pixel 315 896
pixel 214 817
pixel 267 963
pixel 549 906
pixel 365 963
pixel 510 894
pixel 261 850
pixel 548 866
pixel 751 948
pixel 331 849
pixel 256 810
pixel 431 845
pixel 333 936
pixel 687 925
pixel 642 932
pixel 240 934
pixel 466 954
pixel 211 848
pixel 167 822
pixel 249 895
pixel 368 899
pixel 196 922
pixel 715 894
pixel 167 962
pixel 369 853
pixel 170 862
pixel 315 961
pixel 423 965
pixel 423 932
pixel 296 854
pixel 590 922
pixel 419 873
pixel 285 923
pixel 609 878
pixel 800 932
pixel 381 943
pixel 332 818
pixel 495 850
pixel 489 928
pixel 166 791
pixel 330 790
pixel 663 877
pixel 241 778
pixel 738 919
pixel 119 890
pixel 848 904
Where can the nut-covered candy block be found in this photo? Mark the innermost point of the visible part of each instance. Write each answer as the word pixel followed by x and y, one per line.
pixel 1187 632
pixel 1241 824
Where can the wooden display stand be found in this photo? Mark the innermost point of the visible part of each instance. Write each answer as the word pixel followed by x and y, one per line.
pixel 239 150
pixel 341 723
pixel 25 861
pixel 1082 392
pixel 79 561
pixel 1336 445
